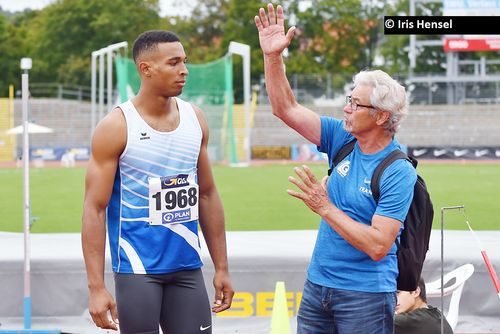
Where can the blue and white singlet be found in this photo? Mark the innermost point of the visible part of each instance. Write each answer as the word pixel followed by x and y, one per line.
pixel 152 215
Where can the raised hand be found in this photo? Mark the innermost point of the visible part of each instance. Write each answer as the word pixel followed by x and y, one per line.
pixel 314 193
pixel 272 36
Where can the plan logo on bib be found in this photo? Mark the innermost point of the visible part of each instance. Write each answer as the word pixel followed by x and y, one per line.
pixel 176 216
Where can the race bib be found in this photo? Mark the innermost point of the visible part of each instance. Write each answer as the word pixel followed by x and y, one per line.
pixel 173 199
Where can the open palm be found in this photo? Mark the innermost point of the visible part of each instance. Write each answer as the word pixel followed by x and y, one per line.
pixel 272 36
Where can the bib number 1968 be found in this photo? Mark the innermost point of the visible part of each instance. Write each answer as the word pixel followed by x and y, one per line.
pixel 173 199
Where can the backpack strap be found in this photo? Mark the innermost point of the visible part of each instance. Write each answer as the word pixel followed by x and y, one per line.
pixel 341 154
pixel 388 160
pixel 377 174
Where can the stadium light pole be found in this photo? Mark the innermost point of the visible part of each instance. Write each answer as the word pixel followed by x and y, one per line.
pixel 26 66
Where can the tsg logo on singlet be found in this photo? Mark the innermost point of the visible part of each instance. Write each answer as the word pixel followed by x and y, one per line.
pixel 343 168
pixel 173 199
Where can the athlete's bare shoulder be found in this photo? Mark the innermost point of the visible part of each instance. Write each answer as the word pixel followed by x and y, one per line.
pixel 110 134
pixel 198 112
pixel 201 119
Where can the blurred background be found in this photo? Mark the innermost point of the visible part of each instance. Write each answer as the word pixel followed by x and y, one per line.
pixel 81 52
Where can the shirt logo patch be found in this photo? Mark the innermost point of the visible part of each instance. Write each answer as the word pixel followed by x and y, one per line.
pixel 144 135
pixel 343 168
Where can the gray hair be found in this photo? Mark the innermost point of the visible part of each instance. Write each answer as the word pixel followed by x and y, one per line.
pixel 388 95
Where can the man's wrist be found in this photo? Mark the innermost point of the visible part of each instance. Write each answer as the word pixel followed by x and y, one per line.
pixel 96 286
pixel 221 267
pixel 273 58
pixel 326 210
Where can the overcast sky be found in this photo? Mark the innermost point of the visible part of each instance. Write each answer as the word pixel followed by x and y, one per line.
pixel 165 5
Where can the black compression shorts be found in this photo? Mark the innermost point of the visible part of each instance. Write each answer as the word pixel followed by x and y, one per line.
pixel 178 302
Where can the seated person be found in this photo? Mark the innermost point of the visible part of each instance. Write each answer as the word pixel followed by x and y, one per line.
pixel 414 316
pixel 68 159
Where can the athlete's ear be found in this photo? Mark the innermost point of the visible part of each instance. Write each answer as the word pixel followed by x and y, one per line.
pixel 416 293
pixel 382 117
pixel 144 68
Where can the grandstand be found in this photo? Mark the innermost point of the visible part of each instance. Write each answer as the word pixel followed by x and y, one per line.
pixel 433 126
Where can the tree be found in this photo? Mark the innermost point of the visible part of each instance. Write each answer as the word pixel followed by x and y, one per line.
pixel 66 32
pixel 240 27
pixel 13 47
pixel 395 48
pixel 335 33
pixel 201 33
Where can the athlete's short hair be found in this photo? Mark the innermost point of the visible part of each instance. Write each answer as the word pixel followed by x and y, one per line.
pixel 388 95
pixel 423 293
pixel 149 40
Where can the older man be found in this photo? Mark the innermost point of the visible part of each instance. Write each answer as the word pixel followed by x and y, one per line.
pixel 351 280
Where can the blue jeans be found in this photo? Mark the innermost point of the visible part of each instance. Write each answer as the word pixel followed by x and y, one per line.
pixel 335 311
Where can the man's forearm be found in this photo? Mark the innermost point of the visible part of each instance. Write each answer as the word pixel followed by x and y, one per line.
pixel 278 88
pixel 213 227
pixel 218 253
pixel 93 246
pixel 363 237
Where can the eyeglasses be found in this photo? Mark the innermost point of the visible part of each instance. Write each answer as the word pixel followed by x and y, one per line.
pixel 353 105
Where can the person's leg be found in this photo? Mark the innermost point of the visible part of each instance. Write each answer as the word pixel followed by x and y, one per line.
pixel 363 312
pixel 138 299
pixel 314 315
pixel 186 308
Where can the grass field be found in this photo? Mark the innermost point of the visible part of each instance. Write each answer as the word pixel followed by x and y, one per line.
pixel 254 198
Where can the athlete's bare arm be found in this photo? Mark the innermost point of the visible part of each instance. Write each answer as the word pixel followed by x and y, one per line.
pixel 108 143
pixel 212 223
pixel 272 42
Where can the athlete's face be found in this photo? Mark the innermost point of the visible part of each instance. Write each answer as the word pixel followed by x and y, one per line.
pixel 167 68
pixel 406 301
pixel 359 119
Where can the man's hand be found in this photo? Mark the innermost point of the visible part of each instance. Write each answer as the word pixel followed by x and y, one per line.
pixel 313 193
pixel 223 292
pixel 272 36
pixel 100 302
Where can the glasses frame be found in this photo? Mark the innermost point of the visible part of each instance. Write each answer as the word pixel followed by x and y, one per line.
pixel 349 101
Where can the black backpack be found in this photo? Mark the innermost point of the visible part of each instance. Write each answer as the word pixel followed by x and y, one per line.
pixel 414 240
